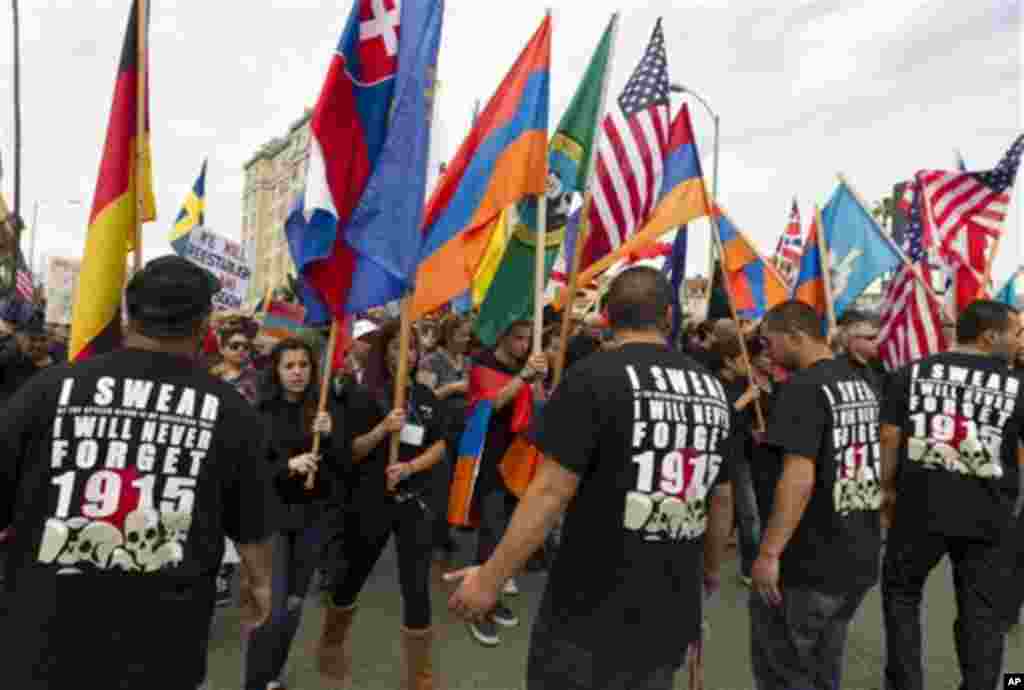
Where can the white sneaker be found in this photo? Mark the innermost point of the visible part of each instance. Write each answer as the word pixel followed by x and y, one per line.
pixel 510 587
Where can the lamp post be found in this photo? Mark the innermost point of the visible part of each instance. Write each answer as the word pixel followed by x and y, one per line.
pixel 35 228
pixel 679 88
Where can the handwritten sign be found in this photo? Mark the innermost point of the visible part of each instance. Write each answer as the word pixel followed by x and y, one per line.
pixel 225 259
pixel 61 282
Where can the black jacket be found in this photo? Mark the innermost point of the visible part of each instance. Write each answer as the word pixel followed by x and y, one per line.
pixel 289 436
pixel 15 368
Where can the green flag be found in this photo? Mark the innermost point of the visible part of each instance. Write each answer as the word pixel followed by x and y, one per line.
pixel 510 297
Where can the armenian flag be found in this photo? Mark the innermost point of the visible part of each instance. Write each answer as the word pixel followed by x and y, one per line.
pixel 753 284
pixel 501 161
pixel 96 316
pixel 810 282
pixel 683 198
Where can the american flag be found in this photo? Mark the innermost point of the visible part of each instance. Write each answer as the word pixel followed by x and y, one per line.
pixel 790 248
pixel 964 214
pixel 911 316
pixel 630 158
pixel 23 283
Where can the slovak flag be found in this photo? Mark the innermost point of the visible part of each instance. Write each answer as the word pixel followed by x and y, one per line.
pixel 354 231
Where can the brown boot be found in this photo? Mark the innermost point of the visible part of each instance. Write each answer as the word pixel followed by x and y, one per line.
pixel 419 664
pixel 332 654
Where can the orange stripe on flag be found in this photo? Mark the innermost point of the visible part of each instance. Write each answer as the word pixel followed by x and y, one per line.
pixel 519 466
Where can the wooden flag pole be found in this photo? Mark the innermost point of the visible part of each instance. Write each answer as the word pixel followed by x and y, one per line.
pixel 914 270
pixel 826 273
pixel 325 389
pixel 402 372
pixel 540 247
pixel 140 130
pixel 717 239
pixel 539 250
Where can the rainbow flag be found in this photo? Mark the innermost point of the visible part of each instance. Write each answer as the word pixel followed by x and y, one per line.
pixel 501 161
pixel 753 284
pixel 810 283
pixel 283 320
pixel 96 316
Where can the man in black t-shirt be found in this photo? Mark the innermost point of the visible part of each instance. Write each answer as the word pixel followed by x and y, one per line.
pixel 120 477
pixel 819 551
pixel 632 442
pixel 859 341
pixel 952 424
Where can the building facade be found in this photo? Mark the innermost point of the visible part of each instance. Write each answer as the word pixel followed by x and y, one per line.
pixel 274 177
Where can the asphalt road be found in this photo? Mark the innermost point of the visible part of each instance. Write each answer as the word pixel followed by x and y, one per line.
pixel 464 665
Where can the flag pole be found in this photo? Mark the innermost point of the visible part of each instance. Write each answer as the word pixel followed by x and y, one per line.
pixel 140 131
pixel 325 387
pixel 588 199
pixel 899 252
pixel 716 238
pixel 540 249
pixel 402 372
pixel 826 272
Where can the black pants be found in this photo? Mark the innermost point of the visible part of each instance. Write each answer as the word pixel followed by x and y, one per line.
pixel 367 531
pixel 496 508
pixel 801 644
pixel 981 576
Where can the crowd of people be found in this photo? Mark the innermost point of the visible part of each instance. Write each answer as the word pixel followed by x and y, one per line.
pixel 140 488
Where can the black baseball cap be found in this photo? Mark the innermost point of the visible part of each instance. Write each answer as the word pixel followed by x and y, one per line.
pixel 169 297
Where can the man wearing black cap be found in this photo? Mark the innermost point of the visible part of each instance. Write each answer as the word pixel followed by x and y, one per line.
pixel 23 354
pixel 120 478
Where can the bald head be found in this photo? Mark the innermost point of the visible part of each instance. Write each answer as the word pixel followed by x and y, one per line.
pixel 639 299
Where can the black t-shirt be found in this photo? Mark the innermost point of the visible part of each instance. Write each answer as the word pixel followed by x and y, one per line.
pixel 363 412
pixel 644 427
pixel 766 461
pixel 121 477
pixel 871 372
pixel 962 418
pixel 829 414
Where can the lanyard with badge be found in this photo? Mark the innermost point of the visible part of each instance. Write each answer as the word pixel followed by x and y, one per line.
pixel 412 434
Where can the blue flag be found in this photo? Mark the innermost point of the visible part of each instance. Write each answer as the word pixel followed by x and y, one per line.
pixel 1011 293
pixel 859 251
pixel 675 269
pixel 372 121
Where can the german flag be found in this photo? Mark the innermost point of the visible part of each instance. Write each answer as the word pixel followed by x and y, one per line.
pixel 96 318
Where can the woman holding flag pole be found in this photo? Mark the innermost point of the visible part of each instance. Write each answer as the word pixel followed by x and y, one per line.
pixel 388 496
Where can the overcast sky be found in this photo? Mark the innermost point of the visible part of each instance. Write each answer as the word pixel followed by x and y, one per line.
pixel 804 88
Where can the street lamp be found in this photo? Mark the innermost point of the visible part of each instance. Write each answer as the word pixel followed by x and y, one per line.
pixel 679 88
pixel 35 228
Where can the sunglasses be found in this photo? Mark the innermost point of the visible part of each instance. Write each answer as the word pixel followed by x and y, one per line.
pixel 239 345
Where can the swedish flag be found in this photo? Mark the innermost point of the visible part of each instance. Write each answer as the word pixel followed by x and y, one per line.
pixel 190 216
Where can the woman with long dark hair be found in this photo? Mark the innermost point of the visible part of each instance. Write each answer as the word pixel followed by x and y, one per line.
pixel 289 408
pixel 384 500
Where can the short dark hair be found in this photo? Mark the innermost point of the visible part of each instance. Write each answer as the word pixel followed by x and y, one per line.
pixel 980 316
pixel 728 347
pixel 638 299
pixel 854 316
pixel 518 323
pixel 793 317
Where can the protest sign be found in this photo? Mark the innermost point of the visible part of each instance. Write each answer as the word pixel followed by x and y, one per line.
pixel 61 281
pixel 225 259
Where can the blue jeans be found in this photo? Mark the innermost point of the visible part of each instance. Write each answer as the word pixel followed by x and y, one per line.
pixel 748 522
pixel 296 554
